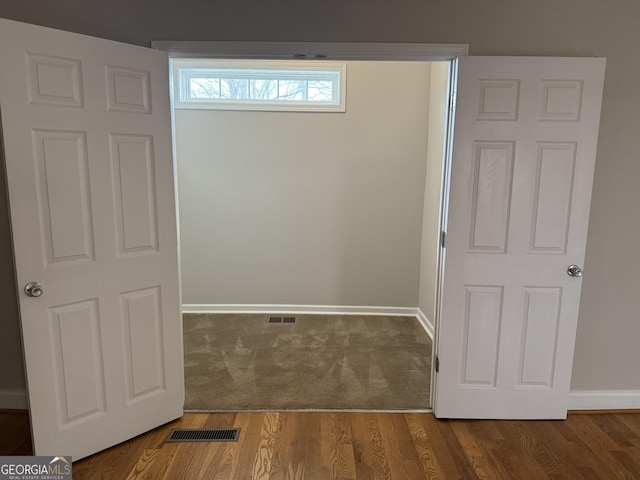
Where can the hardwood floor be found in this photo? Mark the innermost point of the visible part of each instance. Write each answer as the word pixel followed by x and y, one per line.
pixel 15 433
pixel 356 446
pixel 381 446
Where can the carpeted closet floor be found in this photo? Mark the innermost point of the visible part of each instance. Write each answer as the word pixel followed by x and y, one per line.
pixel 243 362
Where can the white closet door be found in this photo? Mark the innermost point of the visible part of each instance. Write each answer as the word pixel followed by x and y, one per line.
pixel 522 169
pixel 87 139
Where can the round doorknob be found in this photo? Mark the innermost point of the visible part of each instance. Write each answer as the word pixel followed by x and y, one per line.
pixel 574 271
pixel 33 289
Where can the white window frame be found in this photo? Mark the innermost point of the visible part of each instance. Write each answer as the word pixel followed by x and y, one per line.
pixel 183 69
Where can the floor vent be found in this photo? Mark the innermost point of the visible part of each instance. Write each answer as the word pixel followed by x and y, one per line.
pixel 282 320
pixel 203 435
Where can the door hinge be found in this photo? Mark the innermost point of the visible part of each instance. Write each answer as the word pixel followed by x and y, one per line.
pixel 443 239
pixel 437 364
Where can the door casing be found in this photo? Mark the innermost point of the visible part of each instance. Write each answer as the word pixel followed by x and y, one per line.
pixel 346 52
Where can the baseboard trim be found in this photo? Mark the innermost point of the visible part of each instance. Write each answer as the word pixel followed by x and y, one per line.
pixel 13 399
pixel 319 410
pixel 604 399
pixel 425 322
pixel 299 309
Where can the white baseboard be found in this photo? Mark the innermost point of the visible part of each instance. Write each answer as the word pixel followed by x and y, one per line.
pixel 300 309
pixel 13 399
pixel 425 322
pixel 604 399
pixel 314 309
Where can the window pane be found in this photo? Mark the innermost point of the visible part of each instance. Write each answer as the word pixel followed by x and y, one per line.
pixel 320 91
pixel 264 89
pixel 306 86
pixel 204 87
pixel 292 90
pixel 234 89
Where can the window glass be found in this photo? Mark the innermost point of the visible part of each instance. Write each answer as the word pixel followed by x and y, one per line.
pixel 259 85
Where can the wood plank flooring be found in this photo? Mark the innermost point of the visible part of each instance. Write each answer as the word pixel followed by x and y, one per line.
pixel 355 446
pixel 15 433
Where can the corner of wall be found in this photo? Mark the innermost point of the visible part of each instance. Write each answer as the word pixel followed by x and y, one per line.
pixel 426 323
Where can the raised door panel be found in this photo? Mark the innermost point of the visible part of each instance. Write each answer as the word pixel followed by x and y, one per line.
pixel 78 361
pixel 553 188
pixel 492 178
pixel 128 90
pixel 498 99
pixel 133 164
pixel 483 315
pixel 561 100
pixel 144 341
pixel 539 336
pixel 64 196
pixel 54 80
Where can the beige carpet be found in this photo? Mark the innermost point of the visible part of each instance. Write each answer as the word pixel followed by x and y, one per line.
pixel 242 362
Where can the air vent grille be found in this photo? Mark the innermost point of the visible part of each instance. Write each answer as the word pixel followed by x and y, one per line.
pixel 282 320
pixel 203 435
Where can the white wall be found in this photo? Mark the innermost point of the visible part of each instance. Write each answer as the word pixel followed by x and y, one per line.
pixel 433 189
pixel 308 208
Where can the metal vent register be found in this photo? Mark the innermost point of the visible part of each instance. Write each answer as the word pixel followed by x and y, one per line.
pixel 203 435
pixel 282 320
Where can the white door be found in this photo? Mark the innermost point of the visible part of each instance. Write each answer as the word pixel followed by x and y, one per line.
pixel 522 168
pixel 87 139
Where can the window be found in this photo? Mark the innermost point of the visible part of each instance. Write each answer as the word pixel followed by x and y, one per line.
pixel 259 85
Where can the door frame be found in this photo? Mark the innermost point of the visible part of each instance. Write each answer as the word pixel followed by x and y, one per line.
pixel 417 52
pixel 426 52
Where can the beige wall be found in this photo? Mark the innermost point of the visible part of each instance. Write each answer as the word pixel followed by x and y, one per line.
pixel 307 208
pixel 433 189
pixel 606 355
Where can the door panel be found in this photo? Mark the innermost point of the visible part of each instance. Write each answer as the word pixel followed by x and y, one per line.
pixel 539 335
pixel 78 361
pixel 481 334
pixel 521 174
pixel 134 192
pixel 142 322
pixel 86 125
pixel 62 179
pixel 493 163
pixel 553 184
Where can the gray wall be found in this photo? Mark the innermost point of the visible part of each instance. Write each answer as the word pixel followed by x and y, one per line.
pixel 308 208
pixel 11 364
pixel 606 355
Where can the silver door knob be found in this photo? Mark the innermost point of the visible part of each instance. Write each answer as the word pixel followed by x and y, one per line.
pixel 574 271
pixel 33 289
